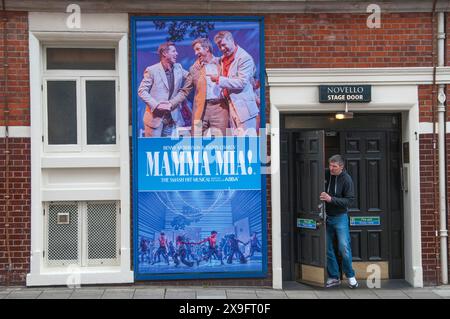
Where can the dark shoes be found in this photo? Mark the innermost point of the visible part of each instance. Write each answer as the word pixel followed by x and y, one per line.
pixel 332 282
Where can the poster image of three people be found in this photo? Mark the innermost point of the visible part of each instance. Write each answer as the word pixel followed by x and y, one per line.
pixel 197 108
pixel 225 91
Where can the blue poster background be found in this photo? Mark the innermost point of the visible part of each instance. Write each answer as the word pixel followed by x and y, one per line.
pixel 176 205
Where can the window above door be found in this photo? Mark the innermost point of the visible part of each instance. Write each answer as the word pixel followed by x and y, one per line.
pixel 80 93
pixel 80 58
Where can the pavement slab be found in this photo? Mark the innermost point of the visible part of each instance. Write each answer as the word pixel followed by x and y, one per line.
pixel 24 294
pixel 271 294
pixel 118 293
pixel 391 294
pixel 361 294
pixel 331 294
pixel 295 294
pixel 87 293
pixel 444 293
pixel 211 294
pixel 149 293
pixel 174 293
pixel 241 294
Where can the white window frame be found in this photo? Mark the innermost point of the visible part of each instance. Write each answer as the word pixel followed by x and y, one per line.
pixel 78 45
pixel 98 147
pixel 81 76
pixel 61 147
pixel 97 30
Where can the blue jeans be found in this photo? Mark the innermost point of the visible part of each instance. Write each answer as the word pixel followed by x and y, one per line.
pixel 338 225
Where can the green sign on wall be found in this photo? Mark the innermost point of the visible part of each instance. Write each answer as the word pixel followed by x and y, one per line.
pixel 306 223
pixel 365 221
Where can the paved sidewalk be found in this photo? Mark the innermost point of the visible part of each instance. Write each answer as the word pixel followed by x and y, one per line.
pixel 388 290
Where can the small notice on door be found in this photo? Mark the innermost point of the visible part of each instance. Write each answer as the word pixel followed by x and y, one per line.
pixel 365 221
pixel 306 223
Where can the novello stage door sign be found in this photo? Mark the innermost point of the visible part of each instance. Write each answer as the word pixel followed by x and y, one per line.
pixel 344 93
pixel 198 188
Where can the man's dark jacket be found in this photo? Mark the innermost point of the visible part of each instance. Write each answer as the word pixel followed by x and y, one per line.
pixel 342 192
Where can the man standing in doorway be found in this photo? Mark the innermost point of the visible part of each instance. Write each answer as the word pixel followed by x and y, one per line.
pixel 338 198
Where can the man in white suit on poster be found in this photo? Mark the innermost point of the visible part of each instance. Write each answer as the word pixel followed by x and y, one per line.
pixel 237 71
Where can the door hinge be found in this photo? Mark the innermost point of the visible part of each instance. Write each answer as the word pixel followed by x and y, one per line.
pixel 120 252
pixel 43 254
pixel 43 211
pixel 42 138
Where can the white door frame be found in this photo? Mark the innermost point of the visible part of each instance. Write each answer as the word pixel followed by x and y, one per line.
pixel 393 90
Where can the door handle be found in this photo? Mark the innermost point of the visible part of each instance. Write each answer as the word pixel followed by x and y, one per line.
pixel 319 214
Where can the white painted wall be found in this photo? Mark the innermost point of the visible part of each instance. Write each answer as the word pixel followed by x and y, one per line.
pixel 411 202
pixel 90 22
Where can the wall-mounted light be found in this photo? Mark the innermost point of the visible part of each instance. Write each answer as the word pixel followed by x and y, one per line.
pixel 344 115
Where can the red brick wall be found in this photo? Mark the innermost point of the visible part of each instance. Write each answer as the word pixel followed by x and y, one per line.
pixel 428 210
pixel 429 193
pixel 425 103
pixel 447 151
pixel 18 208
pixel 448 187
pixel 447 103
pixel 18 70
pixel 343 40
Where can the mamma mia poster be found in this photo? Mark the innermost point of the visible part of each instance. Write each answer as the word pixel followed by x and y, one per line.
pixel 198 187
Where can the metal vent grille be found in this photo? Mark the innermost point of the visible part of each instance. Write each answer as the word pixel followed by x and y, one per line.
pixel 63 239
pixel 102 231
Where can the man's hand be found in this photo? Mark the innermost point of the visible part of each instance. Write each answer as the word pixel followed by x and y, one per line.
pixel 213 77
pixel 324 196
pixel 164 106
